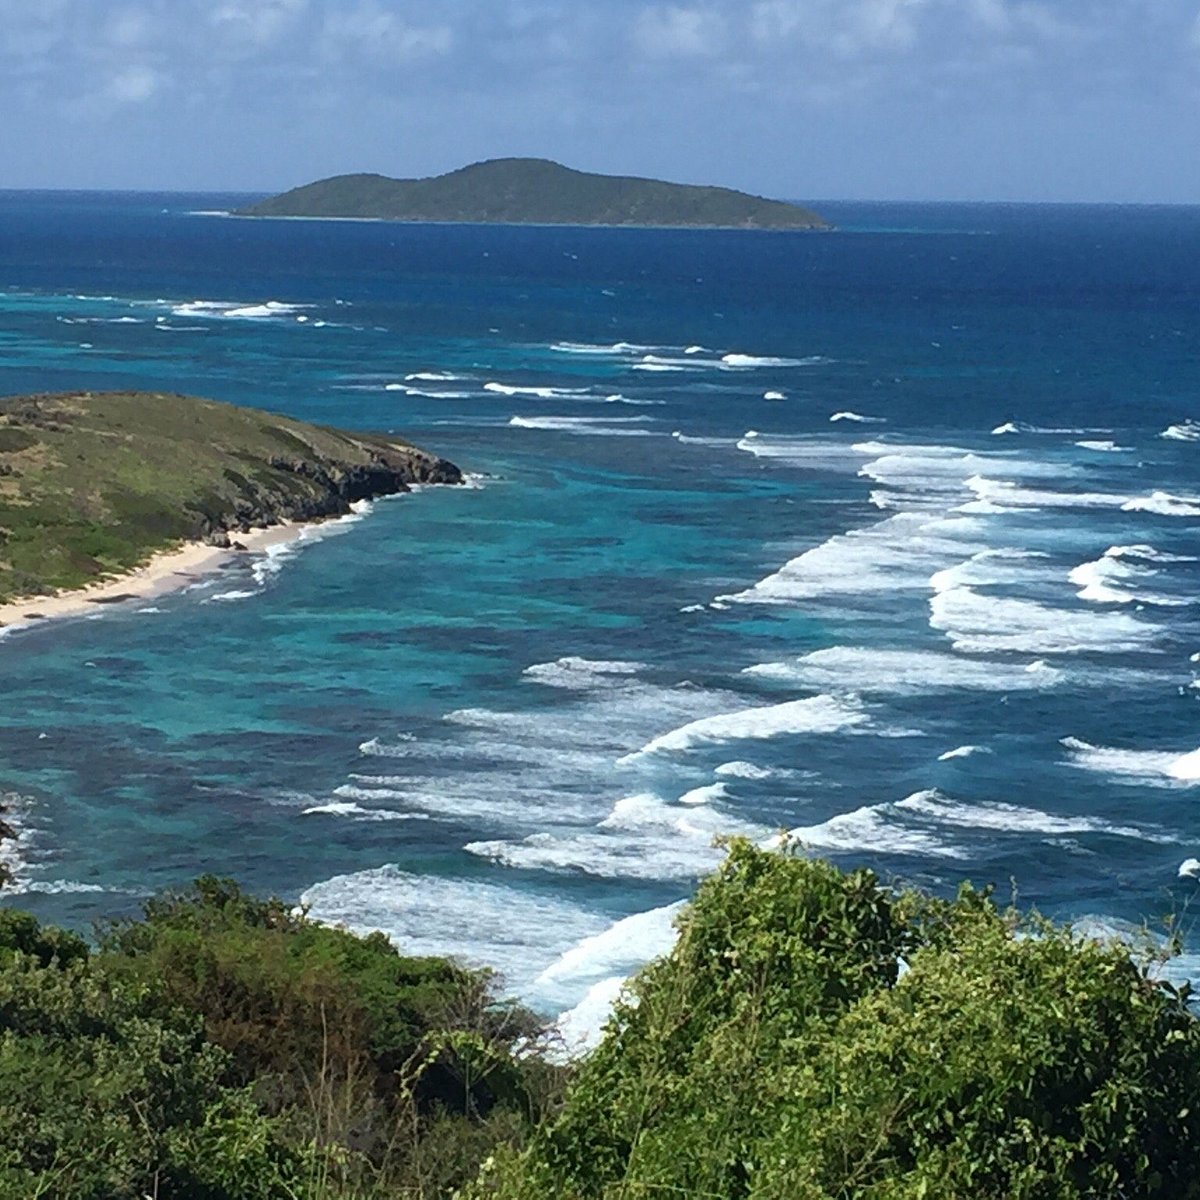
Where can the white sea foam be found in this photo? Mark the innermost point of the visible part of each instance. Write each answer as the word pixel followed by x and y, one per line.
pixel 688 440
pixel 1185 431
pixel 1149 554
pixel 900 553
pixel 593 351
pixel 349 808
pixel 1103 447
pixel 488 924
pixel 427 394
pixel 581 1028
pixel 1121 576
pixel 227 597
pixel 579 674
pixel 874 828
pixel 817 714
pixel 434 377
pixel 867 671
pixel 993 566
pixel 1163 768
pixel 858 418
pixel 1164 504
pixel 402 747
pixel 961 752
pixel 800 450
pixel 602 964
pixel 1011 818
pixel 226 310
pixel 742 770
pixel 542 393
pixel 60 887
pixel 653 362
pixel 593 426
pixel 995 494
pixel 980 624
pixel 612 954
pixel 643 837
pixel 750 361
pixel 1022 427
pixel 705 795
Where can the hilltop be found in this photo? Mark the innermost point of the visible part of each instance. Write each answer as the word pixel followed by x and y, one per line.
pixel 533 191
pixel 92 484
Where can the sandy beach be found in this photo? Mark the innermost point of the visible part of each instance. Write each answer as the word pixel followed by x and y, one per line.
pixel 165 572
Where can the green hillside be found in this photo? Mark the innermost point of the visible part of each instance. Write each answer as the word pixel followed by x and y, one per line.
pixel 531 191
pixel 93 483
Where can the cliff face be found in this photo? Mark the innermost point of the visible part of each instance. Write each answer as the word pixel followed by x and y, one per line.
pixel 521 191
pixel 92 484
pixel 328 487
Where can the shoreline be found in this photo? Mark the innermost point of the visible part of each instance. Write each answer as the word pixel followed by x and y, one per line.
pixel 166 571
pixel 242 216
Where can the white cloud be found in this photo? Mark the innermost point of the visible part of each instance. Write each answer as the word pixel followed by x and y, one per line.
pixel 668 31
pixel 370 28
pixel 134 84
pixel 128 27
pixel 845 27
pixel 257 23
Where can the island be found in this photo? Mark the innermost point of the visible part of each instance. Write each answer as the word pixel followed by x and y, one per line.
pixel 534 191
pixel 94 485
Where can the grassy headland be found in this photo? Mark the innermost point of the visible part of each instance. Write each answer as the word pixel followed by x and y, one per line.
pixel 92 484
pixel 534 191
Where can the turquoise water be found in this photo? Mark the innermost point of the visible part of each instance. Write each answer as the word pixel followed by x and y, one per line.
pixel 947 634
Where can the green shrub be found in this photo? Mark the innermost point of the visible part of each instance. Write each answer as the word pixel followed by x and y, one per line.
pixel 102 1098
pixel 777 1053
pixel 226 1048
pixel 358 1049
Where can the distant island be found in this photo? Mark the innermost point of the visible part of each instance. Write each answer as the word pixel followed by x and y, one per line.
pixel 93 484
pixel 534 191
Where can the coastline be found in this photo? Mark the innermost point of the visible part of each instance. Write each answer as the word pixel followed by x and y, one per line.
pixel 166 571
pixel 243 216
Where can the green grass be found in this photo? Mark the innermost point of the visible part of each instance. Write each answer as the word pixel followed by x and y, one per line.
pixel 93 484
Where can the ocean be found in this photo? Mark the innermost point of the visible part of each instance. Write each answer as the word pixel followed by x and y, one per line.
pixel 887 537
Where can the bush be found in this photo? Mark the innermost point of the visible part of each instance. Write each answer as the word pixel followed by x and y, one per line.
pixel 226 1048
pixel 101 1098
pixel 780 1053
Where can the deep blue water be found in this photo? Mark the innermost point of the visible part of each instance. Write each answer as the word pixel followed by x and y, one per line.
pixel 496 720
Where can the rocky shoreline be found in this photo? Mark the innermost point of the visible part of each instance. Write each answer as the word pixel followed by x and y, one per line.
pixel 332 486
pixel 95 485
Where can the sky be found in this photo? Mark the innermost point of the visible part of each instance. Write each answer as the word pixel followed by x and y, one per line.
pixel 1058 100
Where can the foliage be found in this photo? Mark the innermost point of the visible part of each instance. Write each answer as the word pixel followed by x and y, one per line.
pixel 779 1052
pixel 226 1048
pixel 813 1035
pixel 100 1097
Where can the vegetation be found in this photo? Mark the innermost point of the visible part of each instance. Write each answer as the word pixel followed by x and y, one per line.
pixel 92 484
pixel 224 1048
pixel 532 191
pixel 813 1035
pixel 779 1053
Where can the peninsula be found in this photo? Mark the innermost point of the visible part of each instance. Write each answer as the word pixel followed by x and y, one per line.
pixel 534 191
pixel 109 491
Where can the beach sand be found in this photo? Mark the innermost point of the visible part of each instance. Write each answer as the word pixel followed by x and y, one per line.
pixel 165 572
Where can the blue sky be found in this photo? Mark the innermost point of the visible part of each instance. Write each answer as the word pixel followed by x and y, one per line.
pixel 874 99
